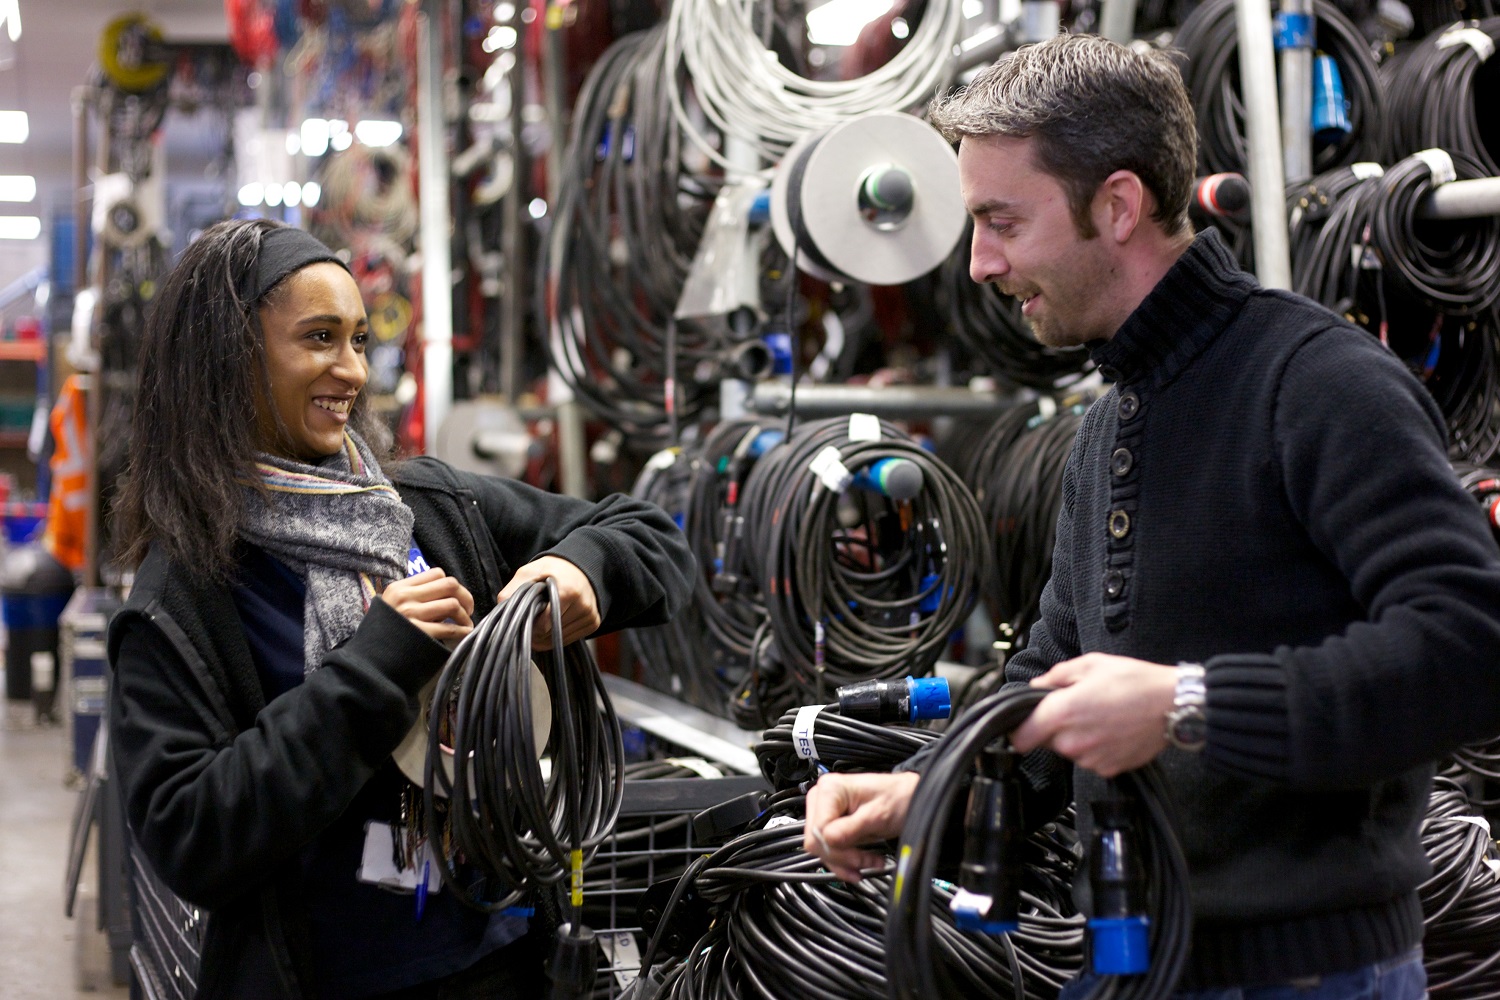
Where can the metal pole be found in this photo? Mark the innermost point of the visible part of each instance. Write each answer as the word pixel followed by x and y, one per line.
pixel 1117 20
pixel 1462 200
pixel 1295 30
pixel 570 440
pixel 1273 262
pixel 517 287
pixel 437 263
pixel 895 402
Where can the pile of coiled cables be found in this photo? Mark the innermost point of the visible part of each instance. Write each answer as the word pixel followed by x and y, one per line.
pixel 744 92
pixel 1435 91
pixel 1208 38
pixel 856 584
pixel 989 327
pixel 522 830
pixel 833 743
pixel 1461 901
pixel 624 231
pixel 912 940
pixel 1426 288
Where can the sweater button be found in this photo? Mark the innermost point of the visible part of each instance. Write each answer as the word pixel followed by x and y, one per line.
pixel 1129 405
pixel 1119 523
pixel 1114 583
pixel 1121 462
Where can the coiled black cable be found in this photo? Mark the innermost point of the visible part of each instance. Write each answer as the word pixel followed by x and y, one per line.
pixel 1461 901
pixel 910 937
pixel 885 583
pixel 842 745
pixel 517 827
pixel 1209 40
pixel 1436 92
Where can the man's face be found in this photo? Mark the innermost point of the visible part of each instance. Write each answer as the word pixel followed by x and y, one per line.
pixel 1026 243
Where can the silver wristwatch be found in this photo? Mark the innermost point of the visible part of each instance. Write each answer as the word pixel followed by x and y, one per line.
pixel 1187 723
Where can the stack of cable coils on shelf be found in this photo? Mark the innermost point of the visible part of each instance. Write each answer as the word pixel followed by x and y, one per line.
pixel 1436 90
pixel 627 223
pixel 1426 288
pixel 874 199
pixel 520 828
pixel 1209 40
pixel 867 551
pixel 787 929
pixel 1134 843
pixel 1461 900
pixel 988 325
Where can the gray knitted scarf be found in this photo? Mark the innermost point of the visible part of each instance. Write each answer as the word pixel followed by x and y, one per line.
pixel 341 525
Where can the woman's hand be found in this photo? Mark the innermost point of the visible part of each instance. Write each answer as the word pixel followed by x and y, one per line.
pixel 434 602
pixel 580 606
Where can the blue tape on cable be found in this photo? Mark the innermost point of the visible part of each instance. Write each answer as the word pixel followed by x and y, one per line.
pixel 1295 31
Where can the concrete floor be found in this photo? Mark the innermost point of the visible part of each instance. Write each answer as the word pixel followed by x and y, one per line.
pixel 44 955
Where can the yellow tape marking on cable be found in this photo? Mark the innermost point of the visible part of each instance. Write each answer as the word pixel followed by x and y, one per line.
pixel 901 871
pixel 577 881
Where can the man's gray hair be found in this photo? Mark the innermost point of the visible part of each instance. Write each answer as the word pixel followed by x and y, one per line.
pixel 1094 107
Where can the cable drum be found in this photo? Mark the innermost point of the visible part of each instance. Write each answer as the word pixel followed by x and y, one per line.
pixel 875 199
pixel 1435 92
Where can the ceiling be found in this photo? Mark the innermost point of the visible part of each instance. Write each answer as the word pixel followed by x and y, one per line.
pixel 59 43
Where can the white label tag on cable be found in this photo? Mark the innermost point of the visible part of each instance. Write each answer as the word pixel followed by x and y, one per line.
pixel 1478 821
pixel 697 765
pixel 624 955
pixel 828 465
pixel 1046 407
pixel 776 821
pixel 1365 170
pixel 1475 39
pixel 1494 864
pixel 802 731
pixel 664 459
pixel 864 427
pixel 1440 164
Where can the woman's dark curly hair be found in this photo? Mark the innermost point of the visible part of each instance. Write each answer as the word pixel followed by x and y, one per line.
pixel 194 440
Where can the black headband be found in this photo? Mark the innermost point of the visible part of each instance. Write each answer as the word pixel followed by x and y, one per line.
pixel 284 250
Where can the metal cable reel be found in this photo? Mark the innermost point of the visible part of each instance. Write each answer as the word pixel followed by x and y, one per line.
pixel 875 199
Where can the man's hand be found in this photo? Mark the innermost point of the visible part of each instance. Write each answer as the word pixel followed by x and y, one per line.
pixel 434 602
pixel 1106 713
pixel 580 606
pixel 847 810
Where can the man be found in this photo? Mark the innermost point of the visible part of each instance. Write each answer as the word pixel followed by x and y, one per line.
pixel 1263 556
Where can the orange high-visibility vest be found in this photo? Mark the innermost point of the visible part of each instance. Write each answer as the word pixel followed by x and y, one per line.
pixel 68 505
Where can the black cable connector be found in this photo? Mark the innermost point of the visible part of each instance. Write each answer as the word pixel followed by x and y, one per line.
pixel 574 965
pixel 989 877
pixel 1118 879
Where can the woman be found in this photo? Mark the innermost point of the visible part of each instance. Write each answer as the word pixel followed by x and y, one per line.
pixel 283 620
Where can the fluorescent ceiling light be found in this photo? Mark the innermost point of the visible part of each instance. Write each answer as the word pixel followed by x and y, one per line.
pixel 14 126
pixel 314 136
pixel 273 194
pixel 839 22
pixel 20 227
pixel 377 133
pixel 252 194
pixel 311 192
pixel 10 13
pixel 292 194
pixel 18 187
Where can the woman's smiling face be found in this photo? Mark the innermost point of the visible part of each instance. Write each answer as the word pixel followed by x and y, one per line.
pixel 315 329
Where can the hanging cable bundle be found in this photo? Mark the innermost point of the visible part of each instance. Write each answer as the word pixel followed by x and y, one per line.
pixel 1339 262
pixel 1209 39
pixel 747 94
pixel 1436 91
pixel 519 828
pixel 861 582
pixel 1483 484
pixel 988 325
pixel 1461 901
pixel 625 227
pixel 1136 864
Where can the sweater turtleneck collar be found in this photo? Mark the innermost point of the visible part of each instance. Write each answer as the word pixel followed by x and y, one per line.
pixel 1195 300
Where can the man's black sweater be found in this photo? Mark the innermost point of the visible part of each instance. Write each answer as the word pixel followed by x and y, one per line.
pixel 1265 490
